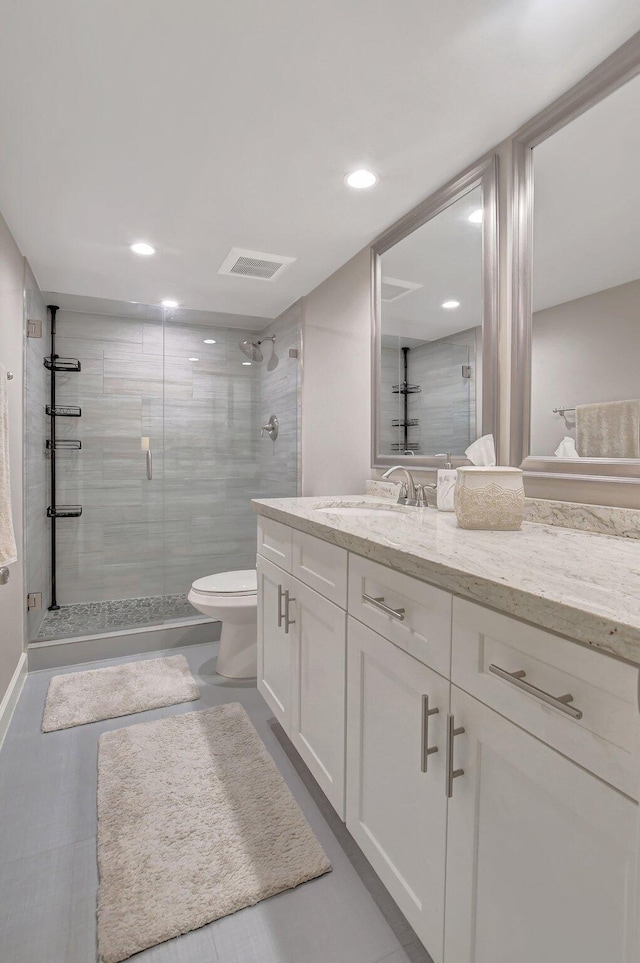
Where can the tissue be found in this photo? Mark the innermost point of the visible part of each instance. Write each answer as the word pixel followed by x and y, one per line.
pixel 482 452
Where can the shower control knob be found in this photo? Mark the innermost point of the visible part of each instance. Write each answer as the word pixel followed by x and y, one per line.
pixel 271 428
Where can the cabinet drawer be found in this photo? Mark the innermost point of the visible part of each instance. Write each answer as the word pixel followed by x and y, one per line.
pixel 274 542
pixel 605 738
pixel 412 614
pixel 320 565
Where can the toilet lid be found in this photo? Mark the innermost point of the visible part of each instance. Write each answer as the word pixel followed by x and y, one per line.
pixel 229 583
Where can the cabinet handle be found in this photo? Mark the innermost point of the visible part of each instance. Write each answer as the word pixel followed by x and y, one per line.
pixel 378 603
pixel 425 749
pixel 287 621
pixel 452 773
pixel 280 612
pixel 558 702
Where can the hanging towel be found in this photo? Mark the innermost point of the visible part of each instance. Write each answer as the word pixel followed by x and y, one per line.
pixel 608 430
pixel 8 553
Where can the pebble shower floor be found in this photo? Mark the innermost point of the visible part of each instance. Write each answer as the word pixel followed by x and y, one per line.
pixel 92 618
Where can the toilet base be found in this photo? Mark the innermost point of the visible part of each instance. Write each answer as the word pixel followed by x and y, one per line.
pixel 238 653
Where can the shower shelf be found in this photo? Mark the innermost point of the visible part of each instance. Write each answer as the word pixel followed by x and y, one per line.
pixel 409 423
pixel 63 444
pixel 62 364
pixel 410 446
pixel 64 411
pixel 64 511
pixel 406 389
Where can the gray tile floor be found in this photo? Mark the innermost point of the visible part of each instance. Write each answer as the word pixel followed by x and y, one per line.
pixel 48 876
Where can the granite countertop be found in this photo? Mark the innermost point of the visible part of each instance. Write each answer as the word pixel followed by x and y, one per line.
pixel 581 585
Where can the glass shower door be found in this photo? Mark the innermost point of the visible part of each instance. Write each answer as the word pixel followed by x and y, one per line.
pixel 110 567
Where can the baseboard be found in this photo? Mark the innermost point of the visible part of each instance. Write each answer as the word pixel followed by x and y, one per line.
pixel 11 696
pixel 114 645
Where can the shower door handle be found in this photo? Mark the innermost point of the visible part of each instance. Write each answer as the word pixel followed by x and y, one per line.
pixel 149 465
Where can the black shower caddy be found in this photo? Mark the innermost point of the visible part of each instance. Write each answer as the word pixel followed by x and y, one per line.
pixel 406 389
pixel 54 364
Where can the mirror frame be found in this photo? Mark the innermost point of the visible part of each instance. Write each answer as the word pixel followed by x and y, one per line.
pixel 592 480
pixel 484 174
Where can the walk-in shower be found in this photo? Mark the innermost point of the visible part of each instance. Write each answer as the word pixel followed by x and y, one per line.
pixel 158 438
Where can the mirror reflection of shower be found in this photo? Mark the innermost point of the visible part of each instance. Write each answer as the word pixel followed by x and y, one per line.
pixel 252 348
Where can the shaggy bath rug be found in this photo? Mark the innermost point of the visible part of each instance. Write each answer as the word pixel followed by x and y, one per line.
pixel 81 697
pixel 194 822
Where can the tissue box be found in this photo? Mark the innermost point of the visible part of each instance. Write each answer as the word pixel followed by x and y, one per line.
pixel 491 499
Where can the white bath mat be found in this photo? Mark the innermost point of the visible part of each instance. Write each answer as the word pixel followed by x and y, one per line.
pixel 194 822
pixel 80 697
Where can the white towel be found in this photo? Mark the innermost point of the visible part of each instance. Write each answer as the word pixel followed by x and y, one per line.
pixel 609 430
pixel 8 553
pixel 482 452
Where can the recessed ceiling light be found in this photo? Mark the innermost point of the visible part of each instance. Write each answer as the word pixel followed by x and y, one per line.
pixel 476 216
pixel 246 362
pixel 361 179
pixel 450 304
pixel 141 247
pixel 169 303
pixel 209 341
pixel 194 359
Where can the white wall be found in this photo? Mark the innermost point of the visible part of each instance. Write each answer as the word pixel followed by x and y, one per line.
pixel 12 595
pixel 336 385
pixel 583 351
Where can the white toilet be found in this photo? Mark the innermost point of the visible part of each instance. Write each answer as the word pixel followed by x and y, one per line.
pixel 231 598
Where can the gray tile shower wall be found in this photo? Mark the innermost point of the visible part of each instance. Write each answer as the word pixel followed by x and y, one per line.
pixel 36 467
pixel 137 537
pixel 280 394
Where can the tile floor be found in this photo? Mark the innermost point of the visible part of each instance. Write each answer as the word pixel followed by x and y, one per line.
pixel 91 618
pixel 48 877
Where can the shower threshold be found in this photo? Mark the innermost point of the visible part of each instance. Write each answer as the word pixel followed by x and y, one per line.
pixel 97 618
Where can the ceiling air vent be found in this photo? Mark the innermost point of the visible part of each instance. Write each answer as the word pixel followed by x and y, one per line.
pixel 392 289
pixel 254 264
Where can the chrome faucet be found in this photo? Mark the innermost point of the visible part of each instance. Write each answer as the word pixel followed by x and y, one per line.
pixel 407 494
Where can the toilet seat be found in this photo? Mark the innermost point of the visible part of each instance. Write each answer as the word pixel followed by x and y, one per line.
pixel 228 584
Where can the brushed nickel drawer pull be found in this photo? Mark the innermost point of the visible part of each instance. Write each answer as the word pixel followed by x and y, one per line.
pixel 452 773
pixel 280 612
pixel 378 603
pixel 558 702
pixel 287 621
pixel 425 749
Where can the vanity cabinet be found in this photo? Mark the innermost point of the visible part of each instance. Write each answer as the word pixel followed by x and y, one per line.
pixel 396 806
pixel 541 854
pixel 497 807
pixel 302 672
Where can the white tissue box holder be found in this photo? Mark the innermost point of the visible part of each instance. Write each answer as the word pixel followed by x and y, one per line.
pixel 490 498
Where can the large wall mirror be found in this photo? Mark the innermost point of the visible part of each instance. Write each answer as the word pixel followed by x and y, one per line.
pixel 577 372
pixel 435 293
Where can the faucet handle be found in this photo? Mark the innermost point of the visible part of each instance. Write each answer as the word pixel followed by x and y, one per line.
pixel 421 500
pixel 402 493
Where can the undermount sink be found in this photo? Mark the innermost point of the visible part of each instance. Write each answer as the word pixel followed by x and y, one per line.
pixel 370 511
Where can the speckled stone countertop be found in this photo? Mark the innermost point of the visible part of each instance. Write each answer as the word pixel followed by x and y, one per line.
pixel 579 584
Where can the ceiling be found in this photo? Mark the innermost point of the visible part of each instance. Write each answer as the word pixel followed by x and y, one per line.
pixel 199 126
pixel 587 202
pixel 444 256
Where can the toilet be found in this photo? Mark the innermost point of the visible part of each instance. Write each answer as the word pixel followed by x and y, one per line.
pixel 231 598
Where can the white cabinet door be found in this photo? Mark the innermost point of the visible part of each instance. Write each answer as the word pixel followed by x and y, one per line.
pixel 541 858
pixel 274 644
pixel 318 688
pixel 396 812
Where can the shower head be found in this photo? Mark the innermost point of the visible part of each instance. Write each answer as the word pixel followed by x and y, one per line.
pixel 252 348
